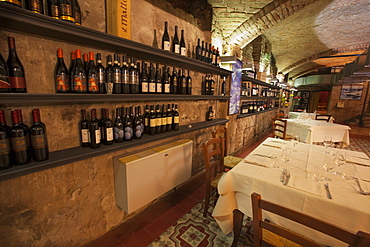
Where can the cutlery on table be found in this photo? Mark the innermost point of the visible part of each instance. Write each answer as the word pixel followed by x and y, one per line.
pixel 326 186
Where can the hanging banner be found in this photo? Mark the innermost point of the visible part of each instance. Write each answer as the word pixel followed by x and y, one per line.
pixel 118 15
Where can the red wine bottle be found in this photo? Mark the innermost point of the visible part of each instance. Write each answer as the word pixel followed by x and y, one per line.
pixel 19 142
pixel 5 148
pixel 182 44
pixel 152 121
pixel 176 119
pixel 158 80
pixel 16 70
pixel 84 130
pixel 85 58
pixel 144 79
pixel 65 11
pixel 77 12
pixel 175 43
pixel 182 83
pixel 107 129
pixel 189 84
pixel 21 123
pixel 36 6
pixel 198 51
pixel 39 143
pixel 163 120
pixel 137 127
pixel 118 132
pixel 141 119
pixel 92 76
pixel 127 126
pixel 125 75
pixel 158 119
pixel 174 81
pixel 4 77
pixel 73 62
pixel 169 118
pixel 146 120
pixel 134 82
pixel 152 84
pixel 209 115
pixel 166 38
pixel 166 80
pixel 101 73
pixel 116 76
pixel 61 74
pixel 94 130
pixel 78 75
pixel 53 8
pixel 13 2
pixel 109 74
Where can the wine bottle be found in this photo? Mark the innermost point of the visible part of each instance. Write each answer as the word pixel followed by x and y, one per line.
pixel 189 84
pixel 174 81
pixel 166 38
pixel 152 84
pixel 209 58
pixel 217 57
pixel 132 115
pixel 21 123
pixel 101 123
pixel 94 130
pixel 85 58
pixel 169 119
pixel 183 83
pixel 100 73
pixel 213 55
pixel 78 82
pixel 158 80
pixel 16 70
pixel 125 71
pixel 209 115
pixel 198 51
pixel 5 148
pixel 158 118
pixel 84 130
pixel 203 52
pixel 116 76
pixel 211 86
pixel 92 75
pixel 77 12
pixel 141 119
pixel 223 87
pixel 109 75
pixel 152 121
pixel 19 142
pixel 36 6
pixel 205 85
pixel 4 77
pixel 72 65
pixel 38 137
pixel 146 120
pixel 144 79
pixel 176 119
pixel 134 83
pixel 175 43
pixel 53 8
pixel 65 11
pixel 107 128
pixel 61 74
pixel 118 132
pixel 163 120
pixel 13 2
pixel 182 44
pixel 166 80
pixel 127 126
pixel 137 125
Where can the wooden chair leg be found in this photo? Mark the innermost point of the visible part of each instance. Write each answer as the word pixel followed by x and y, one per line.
pixel 206 203
pixel 238 222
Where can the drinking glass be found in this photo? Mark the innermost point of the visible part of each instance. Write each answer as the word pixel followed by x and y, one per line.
pixel 327 143
pixel 286 155
pixel 294 140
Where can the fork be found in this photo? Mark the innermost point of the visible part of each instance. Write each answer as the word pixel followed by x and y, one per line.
pixel 362 191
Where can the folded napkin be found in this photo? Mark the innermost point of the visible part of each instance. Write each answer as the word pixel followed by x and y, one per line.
pixel 358 160
pixel 306 185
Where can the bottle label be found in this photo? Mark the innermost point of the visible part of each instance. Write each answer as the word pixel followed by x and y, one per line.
pixel 62 83
pixel 78 18
pixel 85 135
pixel 176 119
pixel 133 78
pixel 159 87
pixel 169 120
pixel 164 120
pixel 4 146
pixel 125 78
pixel 38 141
pixel 65 10
pixel 93 83
pixel 146 121
pixel 35 5
pixel 97 136
pixel 17 82
pixel 152 87
pixel 144 87
pixel 183 51
pixel 214 58
pixel 54 12
pixel 116 77
pixel 153 122
pixel 177 49
pixel 4 82
pixel 158 122
pixel 80 83
pixel 101 76
pixel 166 45
pixel 167 88
pixel 109 134
pixel 19 143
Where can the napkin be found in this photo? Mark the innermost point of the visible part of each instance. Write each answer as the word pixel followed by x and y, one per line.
pixel 306 185
pixel 358 160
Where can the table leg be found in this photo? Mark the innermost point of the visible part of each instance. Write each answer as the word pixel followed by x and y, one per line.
pixel 238 221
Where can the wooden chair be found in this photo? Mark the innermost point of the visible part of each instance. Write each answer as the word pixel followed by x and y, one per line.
pixel 280 115
pixel 279 128
pixel 361 239
pixel 323 117
pixel 229 161
pixel 214 162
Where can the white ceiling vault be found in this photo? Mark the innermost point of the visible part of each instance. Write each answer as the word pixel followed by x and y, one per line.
pixel 300 32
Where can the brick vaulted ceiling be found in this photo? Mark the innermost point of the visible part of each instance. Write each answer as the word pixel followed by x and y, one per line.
pixel 300 31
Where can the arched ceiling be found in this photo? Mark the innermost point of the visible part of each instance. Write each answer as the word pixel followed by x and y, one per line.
pixel 301 32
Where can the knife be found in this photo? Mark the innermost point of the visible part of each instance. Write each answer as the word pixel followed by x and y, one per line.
pixel 326 186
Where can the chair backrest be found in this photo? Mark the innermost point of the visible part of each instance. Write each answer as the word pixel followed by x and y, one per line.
pixel 280 115
pixel 213 157
pixel 221 133
pixel 279 127
pixel 361 239
pixel 323 117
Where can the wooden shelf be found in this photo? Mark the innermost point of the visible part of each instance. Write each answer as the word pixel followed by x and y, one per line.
pixel 15 18
pixel 70 155
pixel 258 82
pixel 256 98
pixel 256 113
pixel 14 99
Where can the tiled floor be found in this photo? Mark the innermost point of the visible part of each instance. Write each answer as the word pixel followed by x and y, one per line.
pixel 146 226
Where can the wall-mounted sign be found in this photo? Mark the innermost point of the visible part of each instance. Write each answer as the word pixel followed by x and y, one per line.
pixel 351 91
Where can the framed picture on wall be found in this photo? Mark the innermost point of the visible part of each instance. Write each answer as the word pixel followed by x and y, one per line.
pixel 236 80
pixel 351 91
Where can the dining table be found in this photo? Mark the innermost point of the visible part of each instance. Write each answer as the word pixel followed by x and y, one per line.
pixel 306 115
pixel 310 131
pixel 310 168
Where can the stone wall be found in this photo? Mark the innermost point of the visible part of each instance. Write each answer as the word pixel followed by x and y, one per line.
pixel 74 204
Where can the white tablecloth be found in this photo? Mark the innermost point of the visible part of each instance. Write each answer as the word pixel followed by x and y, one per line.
pixel 348 208
pixel 294 115
pixel 314 131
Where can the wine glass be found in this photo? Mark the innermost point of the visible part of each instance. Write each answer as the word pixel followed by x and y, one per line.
pixel 286 155
pixel 328 142
pixel 294 140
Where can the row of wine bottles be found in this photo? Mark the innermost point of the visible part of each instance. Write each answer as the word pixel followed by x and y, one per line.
pixel 12 77
pixel 207 53
pixel 66 10
pixel 208 86
pixel 130 78
pixel 20 143
pixel 255 106
pixel 128 124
